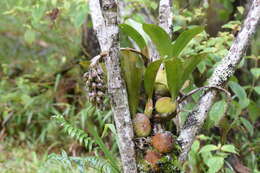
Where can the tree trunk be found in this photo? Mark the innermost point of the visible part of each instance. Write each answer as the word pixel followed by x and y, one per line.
pixel 105 23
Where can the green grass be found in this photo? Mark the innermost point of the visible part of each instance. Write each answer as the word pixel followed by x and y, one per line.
pixel 26 159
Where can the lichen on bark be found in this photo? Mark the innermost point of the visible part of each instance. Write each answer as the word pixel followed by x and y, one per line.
pixel 105 23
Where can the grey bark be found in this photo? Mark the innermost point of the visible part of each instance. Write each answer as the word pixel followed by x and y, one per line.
pixel 165 15
pixel 165 21
pixel 221 74
pixel 105 24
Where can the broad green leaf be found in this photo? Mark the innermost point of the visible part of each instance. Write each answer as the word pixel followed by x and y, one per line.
pixel 174 72
pixel 195 146
pixel 139 28
pixel 217 111
pixel 234 110
pixel 184 39
pixel 240 93
pixel 29 36
pixel 214 164
pixel 204 138
pixel 254 111
pixel 190 64
pixel 133 74
pixel 208 148
pixel 229 148
pixel 160 38
pixel 257 89
pixel 150 75
pixel 248 125
pixel 202 66
pixel 255 72
pixel 134 34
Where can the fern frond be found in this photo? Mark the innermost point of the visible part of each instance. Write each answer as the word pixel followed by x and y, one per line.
pixel 97 163
pixel 76 133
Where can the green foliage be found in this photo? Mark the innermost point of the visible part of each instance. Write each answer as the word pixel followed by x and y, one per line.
pixel 184 38
pixel 163 42
pixel 76 133
pixel 166 50
pixel 174 66
pixel 133 68
pixel 208 148
pixel 96 163
pixel 134 34
pixel 88 142
pixel 240 93
pixel 217 111
pixel 103 147
pixel 212 156
pixel 150 75
pixel 181 70
pixel 215 164
pixel 160 38
pixel 40 58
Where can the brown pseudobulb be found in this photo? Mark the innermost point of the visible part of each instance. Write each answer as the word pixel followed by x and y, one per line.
pixel 163 142
pixel 152 157
pixel 142 125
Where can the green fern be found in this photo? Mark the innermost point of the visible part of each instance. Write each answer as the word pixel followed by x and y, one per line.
pixel 88 142
pixel 97 163
pixel 76 133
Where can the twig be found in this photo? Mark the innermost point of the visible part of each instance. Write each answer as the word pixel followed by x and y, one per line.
pixel 145 58
pixel 105 24
pixel 223 71
pixel 184 97
pixel 135 51
pixel 95 60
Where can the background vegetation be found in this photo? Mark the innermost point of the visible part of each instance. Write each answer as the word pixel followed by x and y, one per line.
pixel 43 60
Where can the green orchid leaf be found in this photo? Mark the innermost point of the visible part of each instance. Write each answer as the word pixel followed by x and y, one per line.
pixel 133 67
pixel 174 73
pixel 150 75
pixel 184 38
pixel 133 34
pixel 160 38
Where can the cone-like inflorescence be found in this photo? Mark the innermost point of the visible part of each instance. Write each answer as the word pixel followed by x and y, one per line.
pixel 96 87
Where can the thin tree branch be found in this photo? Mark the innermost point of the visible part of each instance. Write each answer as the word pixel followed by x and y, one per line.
pixel 105 24
pixel 223 71
pixel 181 99
pixel 135 51
pixel 95 60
